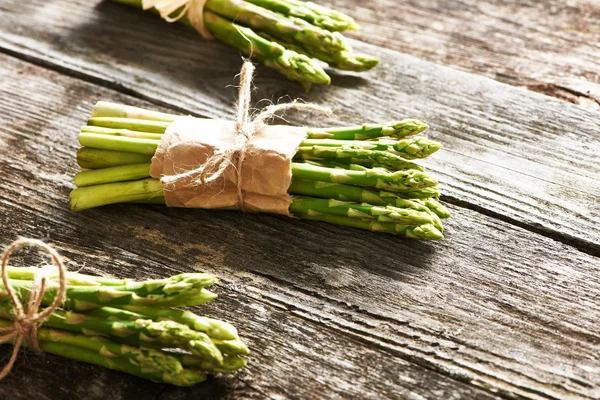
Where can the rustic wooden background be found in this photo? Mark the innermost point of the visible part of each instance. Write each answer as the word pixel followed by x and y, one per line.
pixel 506 307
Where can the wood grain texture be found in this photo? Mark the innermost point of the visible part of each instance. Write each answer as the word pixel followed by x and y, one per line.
pixel 510 153
pixel 492 311
pixel 550 46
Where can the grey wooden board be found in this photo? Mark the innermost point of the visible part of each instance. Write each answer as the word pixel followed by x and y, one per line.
pixel 550 46
pixel 510 153
pixel 492 310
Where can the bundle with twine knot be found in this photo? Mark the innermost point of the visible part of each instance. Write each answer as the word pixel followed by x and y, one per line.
pixel 246 128
pixel 26 322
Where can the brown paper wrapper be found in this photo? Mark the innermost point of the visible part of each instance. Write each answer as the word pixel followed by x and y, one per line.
pixel 266 170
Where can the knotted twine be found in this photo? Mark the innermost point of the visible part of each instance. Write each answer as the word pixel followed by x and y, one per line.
pixel 234 155
pixel 26 323
pixel 194 9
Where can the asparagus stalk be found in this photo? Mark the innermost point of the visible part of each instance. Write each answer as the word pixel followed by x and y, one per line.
pixel 412 148
pixel 404 216
pixel 120 132
pixel 315 14
pixel 392 181
pixel 88 157
pixel 396 129
pixel 114 174
pixel 278 25
pixel 72 278
pixel 148 363
pixel 215 329
pixel 294 66
pixel 112 193
pixel 180 290
pixel 140 125
pixel 438 208
pixel 230 363
pixel 187 377
pixel 356 194
pixel 357 155
pixel 118 116
pixel 115 110
pixel 427 231
pixel 313 28
pixel 162 334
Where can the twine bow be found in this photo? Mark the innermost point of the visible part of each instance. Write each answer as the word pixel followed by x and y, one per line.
pixel 26 322
pixel 246 127
pixel 194 9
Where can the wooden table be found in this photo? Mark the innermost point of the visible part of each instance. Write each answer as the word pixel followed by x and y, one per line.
pixel 507 306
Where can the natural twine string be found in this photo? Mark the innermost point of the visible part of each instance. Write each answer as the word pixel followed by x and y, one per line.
pixel 194 9
pixel 246 128
pixel 26 322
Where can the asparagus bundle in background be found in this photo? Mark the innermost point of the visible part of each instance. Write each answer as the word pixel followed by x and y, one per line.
pixel 132 326
pixel 287 35
pixel 359 176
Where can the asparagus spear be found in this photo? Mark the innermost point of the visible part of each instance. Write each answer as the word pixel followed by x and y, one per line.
pixel 294 66
pixel 114 174
pixel 315 14
pixel 176 291
pixel 339 191
pixel 121 192
pixel 147 358
pixel 187 377
pixel 72 278
pixel 427 231
pixel 377 177
pixel 412 148
pixel 356 194
pixel 344 59
pixel 140 125
pixel 119 116
pixel 215 329
pixel 438 208
pixel 404 216
pixel 120 132
pixel 230 363
pixel 357 155
pixel 395 129
pixel 278 25
pixel 88 157
pixel 109 109
pixel 162 334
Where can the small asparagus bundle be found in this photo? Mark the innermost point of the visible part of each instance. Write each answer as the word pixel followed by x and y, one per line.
pixel 286 35
pixel 361 176
pixel 128 326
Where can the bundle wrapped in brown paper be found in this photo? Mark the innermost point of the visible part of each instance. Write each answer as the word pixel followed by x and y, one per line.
pixel 266 170
pixel 245 165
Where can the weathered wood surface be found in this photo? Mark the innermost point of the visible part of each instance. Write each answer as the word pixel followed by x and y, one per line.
pixel 550 46
pixel 493 311
pixel 510 153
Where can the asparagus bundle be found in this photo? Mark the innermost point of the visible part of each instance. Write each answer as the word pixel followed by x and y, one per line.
pixel 131 326
pixel 287 35
pixel 358 176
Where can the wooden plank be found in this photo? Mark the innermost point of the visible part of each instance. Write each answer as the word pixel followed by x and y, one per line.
pixel 293 358
pixel 491 310
pixel 549 46
pixel 516 155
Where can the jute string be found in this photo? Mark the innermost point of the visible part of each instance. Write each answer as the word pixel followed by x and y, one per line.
pixel 246 127
pixel 194 9
pixel 26 322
